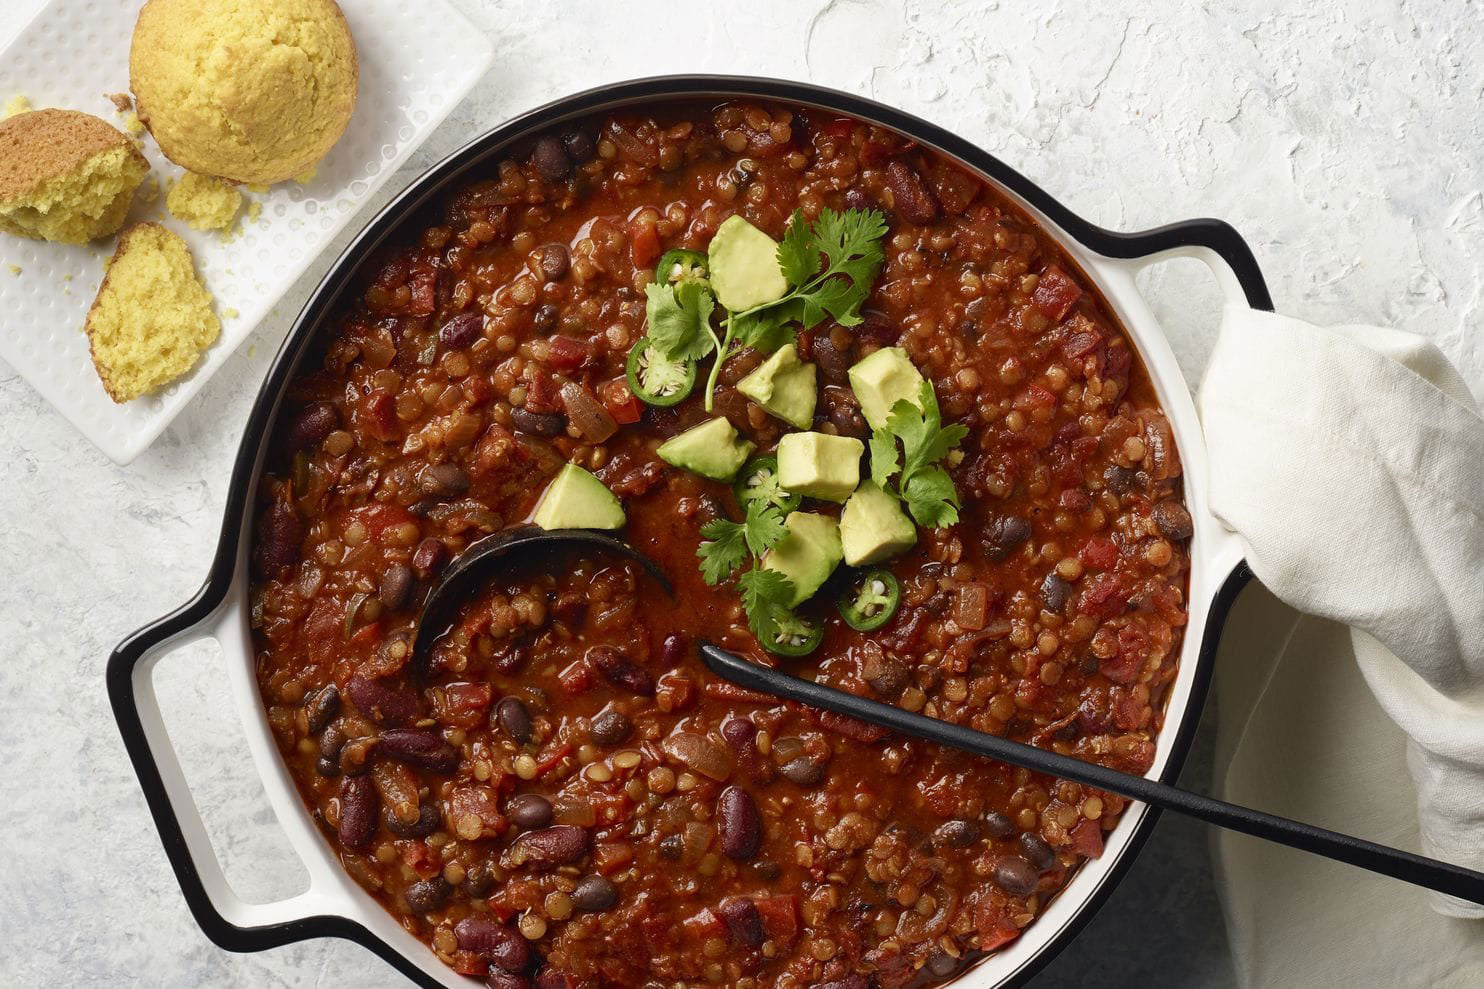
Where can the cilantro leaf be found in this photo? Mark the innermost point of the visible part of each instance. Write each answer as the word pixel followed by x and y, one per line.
pixel 725 550
pixel 924 485
pixel 931 498
pixel 851 244
pixel 765 594
pixel 798 254
pixel 764 526
pixel 884 457
pixel 679 319
pixel 767 330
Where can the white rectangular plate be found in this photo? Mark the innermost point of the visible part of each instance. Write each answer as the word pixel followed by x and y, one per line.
pixel 417 61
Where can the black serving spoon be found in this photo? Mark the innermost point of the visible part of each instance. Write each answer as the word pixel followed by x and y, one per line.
pixel 483 559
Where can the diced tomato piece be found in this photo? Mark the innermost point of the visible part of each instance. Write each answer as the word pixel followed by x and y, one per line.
pixel 780 917
pixel 322 630
pixel 1099 552
pixel 1103 596
pixel 542 394
pixel 377 415
pixel 610 856
pixel 875 152
pixel 726 691
pixel 477 391
pixel 1087 839
pixel 552 758
pixel 367 635
pixel 421 859
pixel 493 450
pixel 840 128
pixel 424 288
pixel 567 354
pixel 1056 293
pixel 704 925
pixel 393 272
pixel 470 963
pixel 644 249
pixel 992 918
pixel 380 517
pixel 1034 396
pixel 675 691
pixel 481 803
pixel 577 678
pixel 860 731
pixel 620 402
pixel 462 705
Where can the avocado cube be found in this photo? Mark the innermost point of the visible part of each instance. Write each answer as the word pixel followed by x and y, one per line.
pixel 576 499
pixel 884 379
pixel 743 266
pixel 818 465
pixel 873 526
pixel 784 385
pixel 713 449
pixel 807 554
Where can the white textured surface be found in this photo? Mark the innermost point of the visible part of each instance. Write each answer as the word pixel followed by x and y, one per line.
pixel 413 69
pixel 1343 143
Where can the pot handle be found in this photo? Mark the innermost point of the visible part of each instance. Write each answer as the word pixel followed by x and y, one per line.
pixel 228 921
pixel 1215 243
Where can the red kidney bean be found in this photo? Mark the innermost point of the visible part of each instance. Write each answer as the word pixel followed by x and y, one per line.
pixel 419 747
pixel 740 824
pixel 913 202
pixel 673 651
pixel 551 978
pixel 320 707
pixel 538 423
pixel 278 541
pixel 802 771
pixel 462 330
pixel 743 921
pixel 357 811
pixel 428 895
pixel 503 946
pixel 310 427
pixel 741 735
pixel 514 719
pixel 501 979
pixel 610 728
pixel 594 894
pixel 1014 875
pixel 443 481
pixel 396 587
pixel 620 671
pixel 550 159
pixel 529 811
pixel 555 262
pixel 560 844
pixel 1172 520
pixel 428 821
pixel 430 557
pixel 382 704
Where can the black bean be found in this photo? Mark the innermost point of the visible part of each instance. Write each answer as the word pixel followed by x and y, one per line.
pixel 478 882
pixel 539 423
pixel 743 921
pixel 327 767
pixel 941 964
pixel 550 159
pixel 594 895
pixel 357 811
pixel 382 704
pixel 610 728
pixel 832 363
pixel 844 411
pixel 529 811
pixel 462 330
pixel 672 847
pixel 428 820
pixel 1120 480
pixel 999 825
pixel 621 671
pixel 739 823
pixel 443 481
pixel 1055 592
pixel 1036 851
pixel 545 318
pixel 956 834
pixel 503 946
pixel 1171 518
pixel 559 844
pixel 430 557
pixel 802 770
pixel 882 673
pixel 428 895
pixel 555 262
pixel 1003 534
pixel 580 146
pixel 331 741
pixel 420 747
pixel 498 978
pixel 396 587
pixel 320 707
pixel 910 196
pixel 1014 875
pixel 310 427
pixel 514 718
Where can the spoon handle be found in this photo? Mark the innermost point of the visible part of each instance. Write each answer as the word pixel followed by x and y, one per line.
pixel 1429 873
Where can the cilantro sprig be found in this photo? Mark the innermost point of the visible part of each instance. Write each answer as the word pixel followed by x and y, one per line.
pixel 921 481
pixel 731 545
pixel 830 266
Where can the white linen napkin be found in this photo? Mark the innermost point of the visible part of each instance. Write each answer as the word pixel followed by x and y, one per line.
pixel 1350 461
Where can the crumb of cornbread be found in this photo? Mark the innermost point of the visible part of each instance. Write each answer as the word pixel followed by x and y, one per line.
pixel 307 176
pixel 122 102
pixel 254 210
pixel 65 176
pixel 204 202
pixel 133 124
pixel 15 269
pixel 152 316
pixel 17 104
pixel 250 90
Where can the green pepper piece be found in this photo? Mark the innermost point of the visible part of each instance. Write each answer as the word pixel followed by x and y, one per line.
pixel 758 481
pixel 680 265
pixel 794 636
pixel 656 379
pixel 872 602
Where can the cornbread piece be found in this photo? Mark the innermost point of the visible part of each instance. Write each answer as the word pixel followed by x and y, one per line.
pixel 204 202
pixel 65 176
pixel 152 317
pixel 249 90
pixel 15 105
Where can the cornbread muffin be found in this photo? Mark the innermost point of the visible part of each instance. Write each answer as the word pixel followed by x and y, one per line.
pixel 65 176
pixel 204 202
pixel 248 90
pixel 152 317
